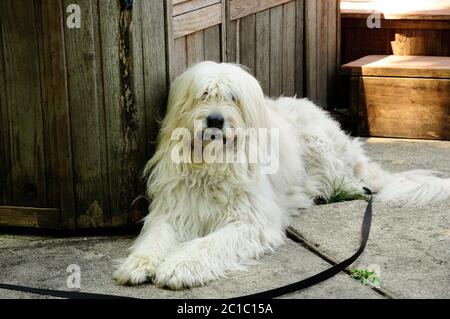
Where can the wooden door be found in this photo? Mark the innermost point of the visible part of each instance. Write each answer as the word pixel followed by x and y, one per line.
pixel 79 108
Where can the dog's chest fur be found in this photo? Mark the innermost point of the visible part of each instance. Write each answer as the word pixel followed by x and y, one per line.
pixel 212 198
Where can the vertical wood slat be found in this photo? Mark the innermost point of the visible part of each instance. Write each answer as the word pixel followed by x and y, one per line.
pixel 179 57
pixel 299 46
pixel 231 35
pixel 247 42
pixel 276 55
pixel 194 48
pixel 223 33
pixel 322 49
pixel 137 71
pixel 262 47
pixel 156 72
pixel 311 48
pixel 87 115
pixel 322 53
pixel 212 43
pixel 171 58
pixel 289 47
pixel 5 166
pixel 333 52
pixel 114 100
pixel 145 148
pixel 23 91
pixel 56 110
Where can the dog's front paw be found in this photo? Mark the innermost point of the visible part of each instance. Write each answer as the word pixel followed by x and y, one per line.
pixel 175 274
pixel 136 269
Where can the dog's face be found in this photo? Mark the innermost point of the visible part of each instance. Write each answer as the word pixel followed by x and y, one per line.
pixel 216 103
pixel 214 96
pixel 215 114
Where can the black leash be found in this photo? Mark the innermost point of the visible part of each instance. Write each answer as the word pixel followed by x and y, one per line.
pixel 60 293
pixel 328 273
pixel 268 294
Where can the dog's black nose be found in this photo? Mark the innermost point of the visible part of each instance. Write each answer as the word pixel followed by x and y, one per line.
pixel 215 121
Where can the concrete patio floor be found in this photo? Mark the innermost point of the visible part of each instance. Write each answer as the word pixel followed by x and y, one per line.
pixel 409 246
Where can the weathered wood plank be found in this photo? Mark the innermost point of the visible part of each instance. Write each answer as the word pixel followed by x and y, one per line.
pixel 59 171
pixel 223 32
pixel 243 8
pixel 212 42
pixel 289 49
pixel 311 49
pixel 422 105
pixel 322 53
pixel 173 66
pixel 179 56
pixel 47 218
pixel 155 71
pixel 299 46
pixel 192 5
pixel 232 41
pixel 197 20
pixel 104 201
pixel 87 112
pixel 276 51
pixel 51 155
pixel 400 66
pixel 115 60
pixel 195 49
pixel 5 168
pixel 23 91
pixel 137 69
pixel 231 34
pixel 247 42
pixel 138 89
pixel 338 51
pixel 262 47
pixel 332 52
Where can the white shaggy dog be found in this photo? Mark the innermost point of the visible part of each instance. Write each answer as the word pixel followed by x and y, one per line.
pixel 208 219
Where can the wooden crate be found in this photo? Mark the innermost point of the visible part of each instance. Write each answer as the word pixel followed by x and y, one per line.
pixel 79 107
pixel 400 96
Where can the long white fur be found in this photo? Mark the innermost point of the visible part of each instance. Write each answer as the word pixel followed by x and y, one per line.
pixel 206 220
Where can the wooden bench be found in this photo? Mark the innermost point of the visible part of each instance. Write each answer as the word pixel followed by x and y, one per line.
pixel 399 96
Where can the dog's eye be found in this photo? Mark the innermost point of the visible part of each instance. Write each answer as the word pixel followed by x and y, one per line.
pixel 233 98
pixel 205 95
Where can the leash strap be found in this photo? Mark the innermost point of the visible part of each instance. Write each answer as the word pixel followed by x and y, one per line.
pixel 268 294
pixel 328 273
pixel 60 293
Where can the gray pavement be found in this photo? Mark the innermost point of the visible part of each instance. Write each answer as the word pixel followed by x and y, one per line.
pixel 410 246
